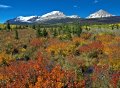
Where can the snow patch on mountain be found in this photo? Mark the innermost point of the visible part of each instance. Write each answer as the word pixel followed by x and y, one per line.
pixel 73 16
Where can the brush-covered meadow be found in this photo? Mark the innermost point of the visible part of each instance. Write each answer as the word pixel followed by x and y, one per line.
pixel 60 56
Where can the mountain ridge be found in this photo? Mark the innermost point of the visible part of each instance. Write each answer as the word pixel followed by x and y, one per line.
pixel 59 17
pixel 45 17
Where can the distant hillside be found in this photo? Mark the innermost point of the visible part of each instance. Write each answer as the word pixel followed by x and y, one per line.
pixel 106 20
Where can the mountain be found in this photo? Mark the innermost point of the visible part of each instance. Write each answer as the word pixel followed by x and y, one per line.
pixel 100 14
pixel 51 15
pixel 54 15
pixel 99 17
pixel 25 19
pixel 40 19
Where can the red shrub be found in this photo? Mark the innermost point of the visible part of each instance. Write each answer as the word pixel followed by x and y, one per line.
pixel 36 42
pixel 91 47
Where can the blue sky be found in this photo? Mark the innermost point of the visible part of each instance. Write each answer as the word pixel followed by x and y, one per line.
pixel 13 8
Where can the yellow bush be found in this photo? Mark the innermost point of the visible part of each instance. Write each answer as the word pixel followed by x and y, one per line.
pixel 64 48
pixel 115 64
pixel 5 56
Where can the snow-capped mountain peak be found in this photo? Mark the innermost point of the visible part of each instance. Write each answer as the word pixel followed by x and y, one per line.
pixel 73 16
pixel 100 14
pixel 53 13
pixel 25 19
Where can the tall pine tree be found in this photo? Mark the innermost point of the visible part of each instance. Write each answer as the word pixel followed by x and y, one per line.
pixel 39 32
pixel 8 26
pixel 45 33
pixel 16 35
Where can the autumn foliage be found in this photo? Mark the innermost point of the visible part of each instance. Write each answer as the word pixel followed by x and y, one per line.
pixel 61 59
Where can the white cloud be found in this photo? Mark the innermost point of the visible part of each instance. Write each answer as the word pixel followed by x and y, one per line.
pixel 75 6
pixel 96 1
pixel 4 6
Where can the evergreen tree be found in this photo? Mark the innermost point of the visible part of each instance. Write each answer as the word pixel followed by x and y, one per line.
pixel 73 30
pixel 45 33
pixel 51 29
pixel 67 30
pixel 33 26
pixel 8 26
pixel 112 26
pixel 16 34
pixel 19 27
pixel 55 33
pixel 78 30
pixel 117 26
pixel 39 33
pixel 69 36
pixel 59 30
